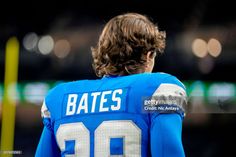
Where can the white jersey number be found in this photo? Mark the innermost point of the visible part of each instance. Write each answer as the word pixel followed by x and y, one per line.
pixel 125 129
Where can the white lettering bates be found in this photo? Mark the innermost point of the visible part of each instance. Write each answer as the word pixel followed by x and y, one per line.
pixel 98 98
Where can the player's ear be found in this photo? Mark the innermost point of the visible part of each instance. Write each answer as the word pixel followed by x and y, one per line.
pixel 150 61
pixel 151 55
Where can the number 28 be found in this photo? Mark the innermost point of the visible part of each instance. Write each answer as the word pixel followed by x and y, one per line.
pixel 125 129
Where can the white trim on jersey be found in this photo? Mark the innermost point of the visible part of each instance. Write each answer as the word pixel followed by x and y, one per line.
pixel 171 91
pixel 44 111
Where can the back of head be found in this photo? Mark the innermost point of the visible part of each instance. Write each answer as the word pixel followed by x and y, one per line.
pixel 124 43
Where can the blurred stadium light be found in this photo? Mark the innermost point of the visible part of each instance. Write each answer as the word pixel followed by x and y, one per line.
pixel 45 44
pixel 30 41
pixel 214 47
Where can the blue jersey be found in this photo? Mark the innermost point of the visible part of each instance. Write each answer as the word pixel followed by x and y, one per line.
pixel 114 116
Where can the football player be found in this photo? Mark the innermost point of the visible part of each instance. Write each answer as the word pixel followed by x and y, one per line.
pixel 129 112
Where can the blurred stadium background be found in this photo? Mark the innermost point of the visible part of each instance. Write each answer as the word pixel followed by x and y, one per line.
pixel 55 40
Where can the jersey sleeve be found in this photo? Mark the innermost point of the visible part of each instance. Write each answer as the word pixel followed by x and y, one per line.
pixel 166 122
pixel 46 116
pixel 166 136
pixel 47 145
pixel 170 96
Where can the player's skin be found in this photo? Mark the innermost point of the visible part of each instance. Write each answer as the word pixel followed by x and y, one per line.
pixel 150 61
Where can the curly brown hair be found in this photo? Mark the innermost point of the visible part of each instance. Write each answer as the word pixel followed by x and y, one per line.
pixel 124 43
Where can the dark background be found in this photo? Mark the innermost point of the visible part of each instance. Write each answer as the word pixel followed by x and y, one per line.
pixel 62 19
pixel 204 135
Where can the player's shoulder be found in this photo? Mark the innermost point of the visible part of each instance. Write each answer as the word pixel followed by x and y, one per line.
pixel 169 85
pixel 56 93
pixel 152 76
pixel 158 78
pixel 169 79
pixel 54 97
pixel 65 87
pixel 172 93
